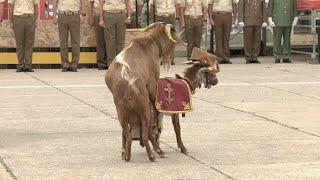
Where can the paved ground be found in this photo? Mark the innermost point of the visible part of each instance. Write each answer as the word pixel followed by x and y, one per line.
pixel 260 122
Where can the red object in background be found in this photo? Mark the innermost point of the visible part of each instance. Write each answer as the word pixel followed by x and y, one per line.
pixel 5 10
pixel 44 8
pixel 308 4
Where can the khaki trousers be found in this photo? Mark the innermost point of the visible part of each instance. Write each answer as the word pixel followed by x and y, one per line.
pixel 24 32
pixel 115 32
pixel 222 28
pixel 194 33
pixel 101 44
pixel 133 24
pixel 70 24
pixel 166 19
pixel 252 40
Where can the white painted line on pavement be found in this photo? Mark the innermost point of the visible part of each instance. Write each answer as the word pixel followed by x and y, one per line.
pixel 220 84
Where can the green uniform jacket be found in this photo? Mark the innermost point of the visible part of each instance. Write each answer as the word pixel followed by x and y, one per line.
pixel 282 11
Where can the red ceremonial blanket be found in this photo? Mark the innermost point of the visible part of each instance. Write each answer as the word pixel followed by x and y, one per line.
pixel 173 96
pixel 308 4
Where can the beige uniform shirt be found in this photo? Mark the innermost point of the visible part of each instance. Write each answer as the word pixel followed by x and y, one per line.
pixel 164 7
pixel 23 6
pixel 69 5
pixel 95 5
pixel 222 5
pixel 114 5
pixel 133 5
pixel 194 7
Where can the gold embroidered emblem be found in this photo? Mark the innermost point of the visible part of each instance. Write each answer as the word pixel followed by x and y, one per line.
pixel 186 106
pixel 158 105
pixel 169 90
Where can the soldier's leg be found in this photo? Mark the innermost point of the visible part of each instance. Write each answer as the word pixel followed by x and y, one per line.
pixel 29 41
pixel 226 36
pixel 286 43
pixel 63 27
pixel 218 30
pixel 133 21
pixel 101 44
pixel 256 42
pixel 198 32
pixel 121 32
pixel 172 20
pixel 277 36
pixel 110 37
pixel 247 39
pixel 75 39
pixel 18 29
pixel 159 19
pixel 190 36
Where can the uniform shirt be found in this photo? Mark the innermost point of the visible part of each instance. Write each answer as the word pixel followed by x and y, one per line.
pixel 282 12
pixel 194 7
pixel 114 5
pixel 252 12
pixel 95 5
pixel 133 5
pixel 69 5
pixel 23 6
pixel 1 1
pixel 222 5
pixel 164 7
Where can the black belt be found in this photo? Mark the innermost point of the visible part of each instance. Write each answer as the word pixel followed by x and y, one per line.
pixel 69 13
pixel 24 15
pixel 194 16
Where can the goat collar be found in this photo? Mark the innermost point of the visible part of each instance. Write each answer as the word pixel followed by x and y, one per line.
pixel 156 40
pixel 188 82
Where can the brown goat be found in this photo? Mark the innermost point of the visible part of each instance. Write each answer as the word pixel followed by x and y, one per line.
pixel 132 79
pixel 202 71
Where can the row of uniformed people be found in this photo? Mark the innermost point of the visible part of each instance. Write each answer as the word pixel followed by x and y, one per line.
pixel 113 15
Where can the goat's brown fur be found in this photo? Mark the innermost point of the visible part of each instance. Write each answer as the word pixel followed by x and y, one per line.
pixel 132 79
pixel 192 76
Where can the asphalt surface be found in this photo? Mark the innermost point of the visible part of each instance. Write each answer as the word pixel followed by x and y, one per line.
pixel 260 122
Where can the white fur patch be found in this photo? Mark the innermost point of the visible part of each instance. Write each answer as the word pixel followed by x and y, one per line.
pixel 125 71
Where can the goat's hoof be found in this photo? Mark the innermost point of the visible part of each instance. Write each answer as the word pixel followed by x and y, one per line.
pixel 127 158
pixel 184 150
pixel 152 158
pixel 161 154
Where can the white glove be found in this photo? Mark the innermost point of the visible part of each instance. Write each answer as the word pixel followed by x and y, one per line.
pixel 241 24
pixel 295 21
pixel 271 23
pixel 264 24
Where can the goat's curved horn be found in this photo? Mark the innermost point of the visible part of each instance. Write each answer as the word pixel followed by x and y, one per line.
pixel 150 26
pixel 215 69
pixel 193 61
pixel 168 32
